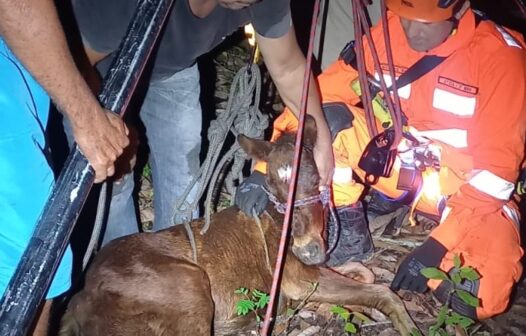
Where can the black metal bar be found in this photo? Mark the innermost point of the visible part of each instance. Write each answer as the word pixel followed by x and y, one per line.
pixel 40 260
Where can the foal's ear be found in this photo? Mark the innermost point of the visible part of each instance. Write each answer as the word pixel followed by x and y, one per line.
pixel 310 132
pixel 256 149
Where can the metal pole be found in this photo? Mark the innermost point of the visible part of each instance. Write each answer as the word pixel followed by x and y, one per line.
pixel 40 260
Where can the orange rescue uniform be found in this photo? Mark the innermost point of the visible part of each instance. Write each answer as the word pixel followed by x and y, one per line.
pixel 472 107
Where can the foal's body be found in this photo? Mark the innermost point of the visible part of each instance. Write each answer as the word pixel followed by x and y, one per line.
pixel 148 283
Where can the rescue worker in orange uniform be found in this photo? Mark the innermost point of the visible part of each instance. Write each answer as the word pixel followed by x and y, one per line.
pixel 468 114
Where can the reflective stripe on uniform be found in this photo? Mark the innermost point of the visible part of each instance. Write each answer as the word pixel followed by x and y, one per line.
pixel 453 103
pixel 491 184
pixel 445 213
pixel 512 215
pixel 508 38
pixel 342 175
pixel 403 92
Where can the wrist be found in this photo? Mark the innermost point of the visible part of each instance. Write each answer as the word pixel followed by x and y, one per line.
pixel 88 112
pixel 81 106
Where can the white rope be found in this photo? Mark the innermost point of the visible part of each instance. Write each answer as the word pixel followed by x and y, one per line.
pixel 97 227
pixel 241 116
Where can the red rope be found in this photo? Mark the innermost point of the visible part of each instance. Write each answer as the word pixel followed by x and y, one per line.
pixel 276 280
pixel 394 103
pixel 521 6
pixel 361 27
pixel 357 6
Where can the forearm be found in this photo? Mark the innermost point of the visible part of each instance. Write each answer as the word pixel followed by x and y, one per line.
pixel 286 65
pixel 313 102
pixel 290 85
pixel 34 33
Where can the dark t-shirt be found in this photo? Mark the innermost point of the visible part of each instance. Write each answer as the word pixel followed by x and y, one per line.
pixel 103 24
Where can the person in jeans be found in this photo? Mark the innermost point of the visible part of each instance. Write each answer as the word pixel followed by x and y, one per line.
pixel 171 111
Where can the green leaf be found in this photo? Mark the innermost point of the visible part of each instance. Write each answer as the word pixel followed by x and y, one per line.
pixel 455 276
pixel 263 301
pixel 469 273
pixel 147 170
pixel 453 319
pixel 361 317
pixel 243 307
pixel 467 297
pixel 456 261
pixel 338 310
pixel 441 318
pixel 465 322
pixel 434 273
pixel 291 312
pixel 433 330
pixel 257 293
pixel 241 290
pixel 416 332
pixel 350 328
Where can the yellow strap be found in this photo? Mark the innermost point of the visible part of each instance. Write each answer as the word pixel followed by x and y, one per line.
pixel 521 188
pixel 380 110
pixel 256 54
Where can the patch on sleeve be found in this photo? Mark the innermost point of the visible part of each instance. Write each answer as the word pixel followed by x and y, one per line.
pixel 458 85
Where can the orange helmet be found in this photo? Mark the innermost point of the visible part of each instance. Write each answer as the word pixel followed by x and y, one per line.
pixel 424 10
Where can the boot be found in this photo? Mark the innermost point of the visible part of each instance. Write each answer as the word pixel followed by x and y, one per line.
pixel 354 242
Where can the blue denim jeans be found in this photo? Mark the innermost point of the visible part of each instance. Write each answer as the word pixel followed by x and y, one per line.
pixel 171 113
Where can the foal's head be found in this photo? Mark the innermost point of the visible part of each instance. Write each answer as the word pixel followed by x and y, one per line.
pixel 309 213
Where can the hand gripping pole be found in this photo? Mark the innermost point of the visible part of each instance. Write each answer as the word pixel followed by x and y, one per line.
pixel 41 258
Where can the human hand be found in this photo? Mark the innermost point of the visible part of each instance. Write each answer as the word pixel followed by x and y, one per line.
pixel 101 137
pixel 250 195
pixel 324 158
pixel 408 276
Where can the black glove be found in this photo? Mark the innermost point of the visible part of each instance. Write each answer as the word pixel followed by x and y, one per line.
pixel 408 276
pixel 250 194
pixel 338 117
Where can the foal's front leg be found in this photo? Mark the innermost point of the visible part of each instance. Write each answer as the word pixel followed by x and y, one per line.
pixel 337 289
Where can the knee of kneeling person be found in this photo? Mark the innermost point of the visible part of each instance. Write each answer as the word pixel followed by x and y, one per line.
pixel 494 294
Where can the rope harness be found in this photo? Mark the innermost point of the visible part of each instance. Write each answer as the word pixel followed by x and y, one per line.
pixel 324 197
pixel 281 207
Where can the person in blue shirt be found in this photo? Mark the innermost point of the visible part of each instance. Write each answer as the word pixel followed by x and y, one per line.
pixel 35 65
